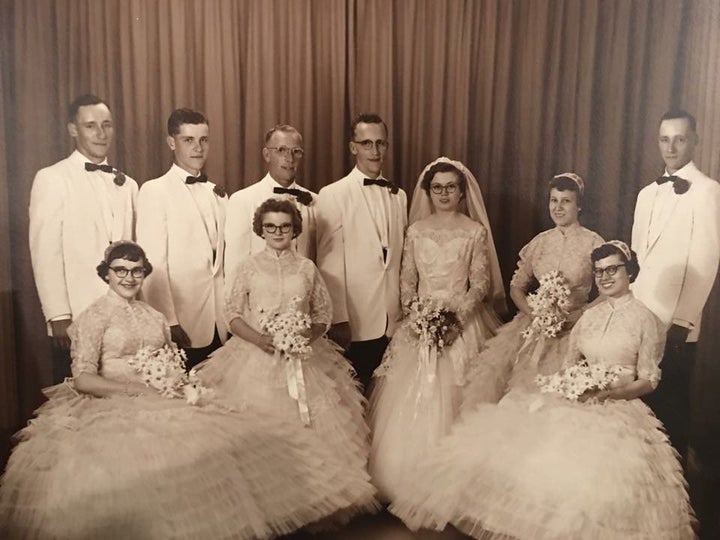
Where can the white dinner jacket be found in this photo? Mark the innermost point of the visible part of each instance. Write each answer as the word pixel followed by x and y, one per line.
pixel 365 290
pixel 186 284
pixel 241 241
pixel 74 215
pixel 679 260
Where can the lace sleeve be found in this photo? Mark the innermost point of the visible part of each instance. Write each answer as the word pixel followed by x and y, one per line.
pixel 408 271
pixel 236 297
pixel 524 275
pixel 652 345
pixel 86 335
pixel 320 302
pixel 478 275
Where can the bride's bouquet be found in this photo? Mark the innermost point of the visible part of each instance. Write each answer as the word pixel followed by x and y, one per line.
pixel 572 382
pixel 549 305
pixel 432 322
pixel 164 370
pixel 287 328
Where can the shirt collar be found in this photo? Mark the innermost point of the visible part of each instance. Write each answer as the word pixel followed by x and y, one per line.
pixel 79 159
pixel 179 172
pixel 359 176
pixel 685 172
pixel 268 179
pixel 617 303
pixel 115 298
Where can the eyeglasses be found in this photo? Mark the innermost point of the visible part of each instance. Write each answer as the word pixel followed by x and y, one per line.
pixel 367 144
pixel 271 228
pixel 286 151
pixel 609 270
pixel 438 189
pixel 122 272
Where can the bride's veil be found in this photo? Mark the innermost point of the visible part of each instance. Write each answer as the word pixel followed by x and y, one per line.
pixel 474 206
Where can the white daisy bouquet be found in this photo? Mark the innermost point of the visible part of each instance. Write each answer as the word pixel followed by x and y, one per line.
pixel 549 305
pixel 287 328
pixel 572 382
pixel 432 322
pixel 164 370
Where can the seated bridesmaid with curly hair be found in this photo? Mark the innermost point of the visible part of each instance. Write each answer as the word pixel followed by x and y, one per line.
pixel 108 456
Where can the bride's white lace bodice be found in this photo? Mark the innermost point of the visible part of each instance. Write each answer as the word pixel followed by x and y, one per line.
pixel 450 264
pixel 111 331
pixel 620 332
pixel 270 281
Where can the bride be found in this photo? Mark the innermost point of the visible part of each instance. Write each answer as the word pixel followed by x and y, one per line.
pixel 449 257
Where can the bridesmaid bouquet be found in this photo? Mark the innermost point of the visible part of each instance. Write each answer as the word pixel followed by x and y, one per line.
pixel 549 305
pixel 164 370
pixel 287 327
pixel 432 322
pixel 572 382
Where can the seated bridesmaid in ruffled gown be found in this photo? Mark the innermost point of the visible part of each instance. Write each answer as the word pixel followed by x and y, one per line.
pixel 449 257
pixel 511 360
pixel 108 457
pixel 546 466
pixel 315 389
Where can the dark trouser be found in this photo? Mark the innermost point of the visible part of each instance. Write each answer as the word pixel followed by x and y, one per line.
pixel 365 357
pixel 61 362
pixel 197 355
pixel 671 399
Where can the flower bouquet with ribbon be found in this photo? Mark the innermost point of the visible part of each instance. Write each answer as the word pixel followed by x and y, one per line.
pixel 549 305
pixel 164 370
pixel 288 329
pixel 573 381
pixel 435 326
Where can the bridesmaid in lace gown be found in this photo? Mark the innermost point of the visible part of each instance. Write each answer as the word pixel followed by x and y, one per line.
pixel 545 467
pixel 448 257
pixel 511 361
pixel 108 457
pixel 319 393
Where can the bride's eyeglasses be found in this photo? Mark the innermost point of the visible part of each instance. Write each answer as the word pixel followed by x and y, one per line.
pixel 122 272
pixel 270 228
pixel 609 270
pixel 439 189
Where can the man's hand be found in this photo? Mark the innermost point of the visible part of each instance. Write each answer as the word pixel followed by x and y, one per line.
pixel 179 336
pixel 340 334
pixel 60 338
pixel 677 334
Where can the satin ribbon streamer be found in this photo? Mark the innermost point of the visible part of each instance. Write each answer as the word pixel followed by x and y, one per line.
pixel 296 383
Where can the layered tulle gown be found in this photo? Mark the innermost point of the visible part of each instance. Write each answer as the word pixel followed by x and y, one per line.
pixel 416 395
pixel 151 467
pixel 320 393
pixel 538 466
pixel 509 360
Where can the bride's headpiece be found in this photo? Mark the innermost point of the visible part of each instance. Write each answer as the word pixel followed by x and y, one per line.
pixel 421 207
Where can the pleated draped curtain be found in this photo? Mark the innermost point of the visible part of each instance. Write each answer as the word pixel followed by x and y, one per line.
pixel 519 90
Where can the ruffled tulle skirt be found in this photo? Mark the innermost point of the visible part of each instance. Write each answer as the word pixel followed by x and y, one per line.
pixel 541 467
pixel 245 376
pixel 415 400
pixel 151 467
pixel 511 362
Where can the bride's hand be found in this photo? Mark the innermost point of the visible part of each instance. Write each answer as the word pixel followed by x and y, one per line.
pixel 264 342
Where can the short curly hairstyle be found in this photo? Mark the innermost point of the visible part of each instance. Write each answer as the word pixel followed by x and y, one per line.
pixel 441 167
pixel 277 205
pixel 130 251
pixel 606 250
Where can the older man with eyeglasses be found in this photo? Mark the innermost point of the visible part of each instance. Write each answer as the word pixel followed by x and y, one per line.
pixel 283 153
pixel 361 229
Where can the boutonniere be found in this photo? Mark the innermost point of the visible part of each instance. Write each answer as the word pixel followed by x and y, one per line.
pixel 681 186
pixel 219 191
pixel 119 177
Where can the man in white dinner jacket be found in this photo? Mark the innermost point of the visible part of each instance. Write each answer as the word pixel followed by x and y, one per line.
pixel 361 227
pixel 283 152
pixel 676 235
pixel 78 206
pixel 181 219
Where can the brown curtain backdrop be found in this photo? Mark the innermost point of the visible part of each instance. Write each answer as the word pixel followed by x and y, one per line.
pixel 519 90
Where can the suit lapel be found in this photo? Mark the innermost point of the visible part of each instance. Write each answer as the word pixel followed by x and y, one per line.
pixel 185 206
pixel 364 212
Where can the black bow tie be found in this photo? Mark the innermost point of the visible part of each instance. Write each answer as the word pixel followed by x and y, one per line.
pixel 680 185
pixel 382 183
pixel 119 176
pixel 193 179
pixel 303 197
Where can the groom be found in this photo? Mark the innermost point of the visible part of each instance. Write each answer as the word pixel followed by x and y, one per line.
pixel 361 225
